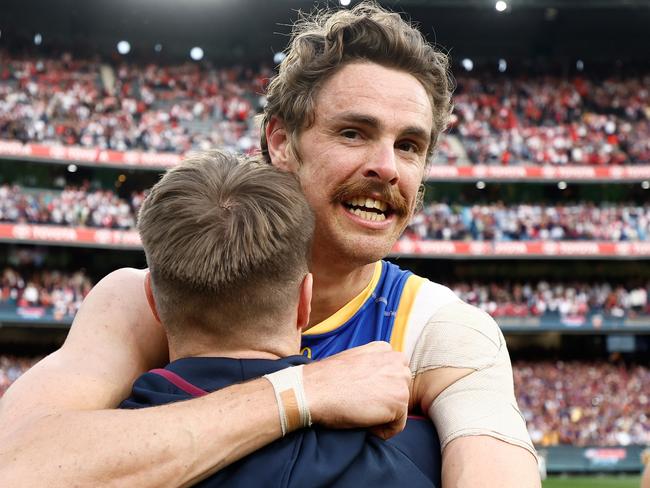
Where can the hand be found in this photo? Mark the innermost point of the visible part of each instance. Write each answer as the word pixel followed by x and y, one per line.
pixel 367 386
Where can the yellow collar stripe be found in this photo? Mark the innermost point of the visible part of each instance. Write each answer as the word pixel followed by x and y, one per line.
pixel 409 293
pixel 349 309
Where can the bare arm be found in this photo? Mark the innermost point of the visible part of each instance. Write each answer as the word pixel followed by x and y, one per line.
pixel 486 461
pixel 645 475
pixel 476 460
pixel 55 424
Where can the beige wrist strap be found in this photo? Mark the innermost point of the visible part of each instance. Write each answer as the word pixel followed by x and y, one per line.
pixel 290 395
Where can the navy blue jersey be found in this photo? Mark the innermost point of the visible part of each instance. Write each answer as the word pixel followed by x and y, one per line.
pixel 308 457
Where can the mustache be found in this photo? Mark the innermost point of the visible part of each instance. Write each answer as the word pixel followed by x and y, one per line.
pixel 388 193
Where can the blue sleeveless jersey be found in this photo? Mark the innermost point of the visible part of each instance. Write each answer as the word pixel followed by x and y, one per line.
pixel 379 313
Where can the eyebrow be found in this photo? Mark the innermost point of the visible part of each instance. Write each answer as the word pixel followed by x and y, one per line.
pixel 371 121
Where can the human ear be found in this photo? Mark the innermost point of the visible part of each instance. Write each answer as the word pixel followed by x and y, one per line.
pixel 304 301
pixel 279 145
pixel 150 298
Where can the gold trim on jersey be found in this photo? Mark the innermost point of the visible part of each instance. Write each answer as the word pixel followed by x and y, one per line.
pixel 349 309
pixel 410 291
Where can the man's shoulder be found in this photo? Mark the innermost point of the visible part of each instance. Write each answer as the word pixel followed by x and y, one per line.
pixel 326 457
pixel 191 377
pixel 421 299
pixel 340 458
pixel 151 389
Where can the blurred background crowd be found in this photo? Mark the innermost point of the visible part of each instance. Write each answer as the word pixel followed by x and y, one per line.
pixel 62 292
pixel 84 206
pixel 501 121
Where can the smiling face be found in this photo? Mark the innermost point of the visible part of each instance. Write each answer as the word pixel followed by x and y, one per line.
pixel 362 160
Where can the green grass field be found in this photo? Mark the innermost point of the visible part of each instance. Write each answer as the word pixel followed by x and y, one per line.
pixel 592 482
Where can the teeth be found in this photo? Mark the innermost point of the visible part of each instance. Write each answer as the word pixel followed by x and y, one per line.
pixel 368 215
pixel 368 203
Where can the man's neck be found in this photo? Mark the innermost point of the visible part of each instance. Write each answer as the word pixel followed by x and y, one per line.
pixel 334 287
pixel 200 348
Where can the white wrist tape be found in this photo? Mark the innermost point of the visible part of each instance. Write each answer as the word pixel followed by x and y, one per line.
pixel 291 398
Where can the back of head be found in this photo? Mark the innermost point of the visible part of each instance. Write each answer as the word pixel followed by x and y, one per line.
pixel 323 42
pixel 227 243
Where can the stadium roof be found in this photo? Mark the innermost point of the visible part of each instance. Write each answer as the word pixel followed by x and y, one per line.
pixel 236 30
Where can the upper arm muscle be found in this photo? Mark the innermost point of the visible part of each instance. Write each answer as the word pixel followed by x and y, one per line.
pixel 486 461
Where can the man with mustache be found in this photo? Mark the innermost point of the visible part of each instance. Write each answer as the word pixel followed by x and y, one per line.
pixel 355 112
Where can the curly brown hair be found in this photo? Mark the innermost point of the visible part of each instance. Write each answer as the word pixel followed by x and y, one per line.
pixel 322 42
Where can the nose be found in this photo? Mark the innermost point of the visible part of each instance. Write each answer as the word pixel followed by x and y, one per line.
pixel 382 164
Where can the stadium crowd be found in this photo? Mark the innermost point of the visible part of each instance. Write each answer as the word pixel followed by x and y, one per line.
pixel 81 206
pixel 525 222
pixel 563 299
pixel 550 120
pixel 564 402
pixel 74 206
pixel 584 403
pixel 129 107
pixel 37 292
pixel 509 120
pixel 63 292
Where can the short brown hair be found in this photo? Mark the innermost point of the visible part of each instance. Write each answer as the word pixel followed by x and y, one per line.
pixel 322 43
pixel 227 241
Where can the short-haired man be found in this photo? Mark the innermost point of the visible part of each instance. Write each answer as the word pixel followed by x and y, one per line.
pixel 227 243
pixel 355 111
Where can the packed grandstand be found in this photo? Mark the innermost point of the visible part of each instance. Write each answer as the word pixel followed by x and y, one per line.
pixel 497 120
pixel 63 292
pixel 81 206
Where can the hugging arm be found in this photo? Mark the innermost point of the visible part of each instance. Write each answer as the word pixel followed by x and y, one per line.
pixel 57 421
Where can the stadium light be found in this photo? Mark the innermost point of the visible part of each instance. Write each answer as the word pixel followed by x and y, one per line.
pixel 562 185
pixel 345 3
pixel 157 47
pixel 550 14
pixel 196 53
pixel 468 64
pixel 480 185
pixel 645 185
pixel 501 6
pixel 38 39
pixel 123 47
pixel 72 168
pixel 580 65
pixel 279 57
pixel 503 65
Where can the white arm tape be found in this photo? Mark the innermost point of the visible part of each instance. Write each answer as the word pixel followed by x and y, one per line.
pixel 483 402
pixel 292 401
